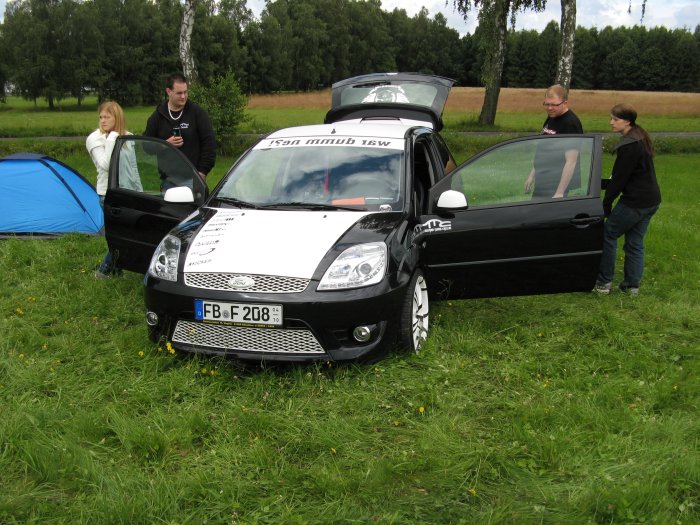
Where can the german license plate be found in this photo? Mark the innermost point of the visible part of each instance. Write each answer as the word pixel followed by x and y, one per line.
pixel 238 313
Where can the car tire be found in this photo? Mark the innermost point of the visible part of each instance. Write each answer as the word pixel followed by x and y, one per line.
pixel 413 327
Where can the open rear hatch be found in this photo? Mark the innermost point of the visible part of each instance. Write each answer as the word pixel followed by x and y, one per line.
pixel 407 96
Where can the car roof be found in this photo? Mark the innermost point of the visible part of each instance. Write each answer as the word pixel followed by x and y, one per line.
pixel 410 96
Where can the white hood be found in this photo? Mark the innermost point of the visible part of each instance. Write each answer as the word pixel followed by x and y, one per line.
pixel 267 242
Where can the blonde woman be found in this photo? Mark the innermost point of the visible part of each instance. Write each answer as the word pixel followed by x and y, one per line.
pixel 100 145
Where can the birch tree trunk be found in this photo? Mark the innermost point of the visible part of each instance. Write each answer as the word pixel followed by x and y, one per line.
pixel 566 51
pixel 495 14
pixel 188 67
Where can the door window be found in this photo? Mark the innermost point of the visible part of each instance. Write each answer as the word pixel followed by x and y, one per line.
pixel 498 177
pixel 151 167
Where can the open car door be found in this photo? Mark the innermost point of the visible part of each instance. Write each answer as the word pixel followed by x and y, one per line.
pixel 137 214
pixel 499 240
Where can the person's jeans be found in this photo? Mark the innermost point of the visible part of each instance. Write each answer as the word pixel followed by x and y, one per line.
pixel 633 224
pixel 107 266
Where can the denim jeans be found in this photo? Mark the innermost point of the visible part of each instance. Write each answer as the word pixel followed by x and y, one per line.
pixel 633 224
pixel 107 266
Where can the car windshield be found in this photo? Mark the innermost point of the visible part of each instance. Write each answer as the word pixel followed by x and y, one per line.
pixel 319 173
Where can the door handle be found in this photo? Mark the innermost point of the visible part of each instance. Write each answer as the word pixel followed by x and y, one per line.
pixel 581 222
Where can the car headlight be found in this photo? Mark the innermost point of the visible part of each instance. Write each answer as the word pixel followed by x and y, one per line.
pixel 165 259
pixel 360 265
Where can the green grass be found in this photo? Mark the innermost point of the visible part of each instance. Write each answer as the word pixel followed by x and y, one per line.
pixel 528 122
pixel 21 118
pixel 568 408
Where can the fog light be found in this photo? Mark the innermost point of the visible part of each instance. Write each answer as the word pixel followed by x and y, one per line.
pixel 151 318
pixel 362 334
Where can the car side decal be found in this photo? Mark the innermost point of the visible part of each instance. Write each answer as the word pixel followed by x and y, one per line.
pixel 433 225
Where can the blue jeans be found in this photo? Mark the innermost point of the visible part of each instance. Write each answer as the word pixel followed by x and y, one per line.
pixel 633 224
pixel 107 266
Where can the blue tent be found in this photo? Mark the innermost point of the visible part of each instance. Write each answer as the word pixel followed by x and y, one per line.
pixel 40 195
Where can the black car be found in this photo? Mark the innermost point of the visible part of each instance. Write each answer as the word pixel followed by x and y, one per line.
pixel 328 241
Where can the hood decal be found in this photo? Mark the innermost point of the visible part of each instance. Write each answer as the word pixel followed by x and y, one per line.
pixel 267 242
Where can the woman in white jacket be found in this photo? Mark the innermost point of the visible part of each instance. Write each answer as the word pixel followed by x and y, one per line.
pixel 100 144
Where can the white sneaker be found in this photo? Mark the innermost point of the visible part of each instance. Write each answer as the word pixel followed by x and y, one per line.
pixel 602 288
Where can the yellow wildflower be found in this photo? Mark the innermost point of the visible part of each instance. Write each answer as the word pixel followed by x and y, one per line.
pixel 141 354
pixel 421 410
pixel 472 491
pixel 19 311
pixel 170 347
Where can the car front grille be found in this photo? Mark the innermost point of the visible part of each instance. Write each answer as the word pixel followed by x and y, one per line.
pixel 247 339
pixel 263 283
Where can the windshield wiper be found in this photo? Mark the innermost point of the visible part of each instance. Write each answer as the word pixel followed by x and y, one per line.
pixel 237 202
pixel 313 206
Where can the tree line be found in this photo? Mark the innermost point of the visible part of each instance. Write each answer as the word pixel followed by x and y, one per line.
pixel 123 49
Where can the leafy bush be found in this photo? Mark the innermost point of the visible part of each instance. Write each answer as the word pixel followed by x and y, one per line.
pixel 225 103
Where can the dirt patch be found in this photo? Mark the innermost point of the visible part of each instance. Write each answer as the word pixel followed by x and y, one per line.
pixel 517 100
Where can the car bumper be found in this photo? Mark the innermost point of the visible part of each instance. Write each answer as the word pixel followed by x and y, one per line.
pixel 316 325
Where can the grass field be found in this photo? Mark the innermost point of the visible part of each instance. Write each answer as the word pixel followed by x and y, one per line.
pixel 520 110
pixel 559 409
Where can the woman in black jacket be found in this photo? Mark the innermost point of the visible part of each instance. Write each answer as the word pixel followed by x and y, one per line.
pixel 634 180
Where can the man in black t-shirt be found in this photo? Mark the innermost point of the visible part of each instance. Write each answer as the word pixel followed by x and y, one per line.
pixel 556 171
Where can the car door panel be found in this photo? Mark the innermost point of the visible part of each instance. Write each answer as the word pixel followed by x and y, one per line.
pixel 136 221
pixel 520 246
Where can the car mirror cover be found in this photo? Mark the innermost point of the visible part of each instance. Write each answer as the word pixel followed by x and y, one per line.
pixel 179 194
pixel 452 199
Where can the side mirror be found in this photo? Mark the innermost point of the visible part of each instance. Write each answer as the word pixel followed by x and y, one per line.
pixel 452 200
pixel 179 194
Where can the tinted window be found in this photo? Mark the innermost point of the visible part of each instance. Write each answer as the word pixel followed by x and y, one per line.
pixel 151 167
pixel 498 176
pixel 448 162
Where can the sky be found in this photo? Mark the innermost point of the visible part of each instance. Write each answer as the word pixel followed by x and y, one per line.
pixel 672 14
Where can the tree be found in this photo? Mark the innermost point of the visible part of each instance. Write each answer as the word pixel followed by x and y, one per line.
pixel 620 68
pixel 568 34
pixel 493 20
pixel 225 103
pixel 425 44
pixel 522 57
pixel 188 66
pixel 548 45
pixel 585 68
